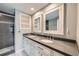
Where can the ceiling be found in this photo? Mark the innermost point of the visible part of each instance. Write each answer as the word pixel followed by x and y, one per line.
pixel 23 7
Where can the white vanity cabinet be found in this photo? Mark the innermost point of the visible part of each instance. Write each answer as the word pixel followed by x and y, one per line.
pixel 35 49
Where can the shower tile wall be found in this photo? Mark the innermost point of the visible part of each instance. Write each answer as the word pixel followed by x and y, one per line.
pixel 6 35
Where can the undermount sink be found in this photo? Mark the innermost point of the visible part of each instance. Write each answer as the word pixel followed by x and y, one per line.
pixel 47 41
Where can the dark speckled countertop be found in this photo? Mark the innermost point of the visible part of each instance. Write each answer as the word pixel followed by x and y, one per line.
pixel 65 47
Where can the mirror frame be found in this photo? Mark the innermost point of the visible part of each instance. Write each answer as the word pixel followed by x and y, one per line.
pixel 60 22
pixel 35 30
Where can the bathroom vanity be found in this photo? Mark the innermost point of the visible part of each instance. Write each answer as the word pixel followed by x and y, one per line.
pixel 44 45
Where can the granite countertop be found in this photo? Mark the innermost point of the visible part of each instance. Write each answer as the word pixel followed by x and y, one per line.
pixel 56 36
pixel 62 46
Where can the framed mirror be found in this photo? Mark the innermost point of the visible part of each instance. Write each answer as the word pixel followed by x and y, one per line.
pixel 51 20
pixel 54 21
pixel 37 24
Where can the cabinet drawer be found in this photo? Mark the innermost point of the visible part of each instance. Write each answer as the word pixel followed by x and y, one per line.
pixel 44 51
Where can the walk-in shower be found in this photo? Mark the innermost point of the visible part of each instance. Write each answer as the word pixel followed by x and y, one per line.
pixel 6 34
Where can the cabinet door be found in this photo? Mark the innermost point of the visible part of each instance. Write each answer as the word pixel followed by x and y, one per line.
pixel 38 50
pixel 34 49
pixel 30 47
pixel 25 42
pixel 27 46
pixel 44 51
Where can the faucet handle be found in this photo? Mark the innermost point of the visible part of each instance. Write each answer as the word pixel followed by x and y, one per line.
pixel 51 36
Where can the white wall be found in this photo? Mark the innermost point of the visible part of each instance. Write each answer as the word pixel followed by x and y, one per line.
pixel 25 23
pixel 19 30
pixel 78 24
pixel 71 20
pixel 18 35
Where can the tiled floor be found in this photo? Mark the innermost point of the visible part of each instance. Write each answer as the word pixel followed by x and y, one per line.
pixel 22 53
pixel 6 51
pixel 9 51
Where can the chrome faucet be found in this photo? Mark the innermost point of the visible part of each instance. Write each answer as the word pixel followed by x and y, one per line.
pixel 50 37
